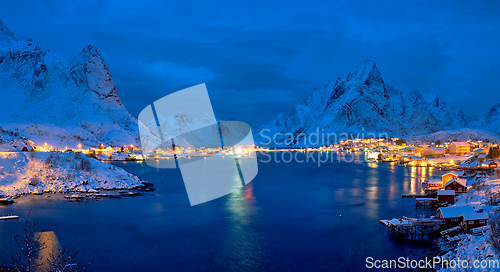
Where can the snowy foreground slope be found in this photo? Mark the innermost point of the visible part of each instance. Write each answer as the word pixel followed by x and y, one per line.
pixel 28 172
pixel 363 103
pixel 471 247
pixel 48 99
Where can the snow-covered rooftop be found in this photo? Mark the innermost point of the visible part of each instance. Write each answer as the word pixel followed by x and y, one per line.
pixel 448 212
pixel 460 143
pixel 446 192
pixel 455 173
pixel 460 181
pixel 475 216
pixel 437 148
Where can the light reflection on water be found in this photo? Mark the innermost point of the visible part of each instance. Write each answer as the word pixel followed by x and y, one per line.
pixel 294 216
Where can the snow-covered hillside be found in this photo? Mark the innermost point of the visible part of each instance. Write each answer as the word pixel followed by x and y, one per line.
pixel 77 99
pixel 28 172
pixel 363 103
pixel 463 134
pixel 491 121
pixel 12 141
pixel 470 247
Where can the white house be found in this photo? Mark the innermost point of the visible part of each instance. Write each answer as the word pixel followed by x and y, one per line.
pixel 459 148
pixel 433 152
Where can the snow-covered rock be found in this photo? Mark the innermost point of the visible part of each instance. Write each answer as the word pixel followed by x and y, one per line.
pixel 360 104
pixel 29 172
pixel 77 97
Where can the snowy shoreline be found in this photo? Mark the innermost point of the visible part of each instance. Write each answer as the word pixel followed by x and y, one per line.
pixel 470 247
pixel 23 173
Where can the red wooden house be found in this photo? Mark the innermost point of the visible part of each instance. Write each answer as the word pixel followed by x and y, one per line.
pixel 451 215
pixel 446 196
pixel 451 175
pixel 489 164
pixel 473 220
pixel 458 185
pixel 434 184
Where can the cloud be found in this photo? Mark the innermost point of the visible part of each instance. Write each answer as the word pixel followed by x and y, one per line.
pixel 260 58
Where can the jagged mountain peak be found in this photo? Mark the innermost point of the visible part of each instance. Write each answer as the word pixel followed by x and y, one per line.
pixel 89 68
pixel 365 73
pixel 494 109
pixel 89 52
pixel 490 121
pixel 5 32
pixel 364 103
pixel 79 96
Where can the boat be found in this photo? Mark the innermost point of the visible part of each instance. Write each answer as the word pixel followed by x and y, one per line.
pixel 134 194
pixel 36 192
pixel 9 217
pixel 134 156
pixel 6 200
pixel 76 196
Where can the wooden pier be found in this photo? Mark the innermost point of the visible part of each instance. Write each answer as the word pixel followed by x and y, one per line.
pixel 412 228
pixel 425 201
pixel 413 195
pixel 470 169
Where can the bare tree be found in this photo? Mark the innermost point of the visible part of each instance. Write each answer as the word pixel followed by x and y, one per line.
pixel 27 257
pixel 66 260
pixel 28 245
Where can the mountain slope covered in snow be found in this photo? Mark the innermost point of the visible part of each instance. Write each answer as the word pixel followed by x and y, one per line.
pixel 360 104
pixel 489 122
pixel 46 98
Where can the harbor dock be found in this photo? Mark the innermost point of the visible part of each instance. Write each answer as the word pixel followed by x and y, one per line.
pixel 412 228
pixel 424 201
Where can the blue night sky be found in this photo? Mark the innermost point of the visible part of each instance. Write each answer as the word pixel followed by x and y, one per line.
pixel 260 58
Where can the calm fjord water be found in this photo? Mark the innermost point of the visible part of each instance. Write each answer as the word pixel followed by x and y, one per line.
pixel 291 217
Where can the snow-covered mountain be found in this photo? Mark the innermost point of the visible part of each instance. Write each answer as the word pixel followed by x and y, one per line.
pixel 489 122
pixel 46 98
pixel 460 135
pixel 361 103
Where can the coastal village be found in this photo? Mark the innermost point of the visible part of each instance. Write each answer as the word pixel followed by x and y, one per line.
pixel 105 168
pixel 463 197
